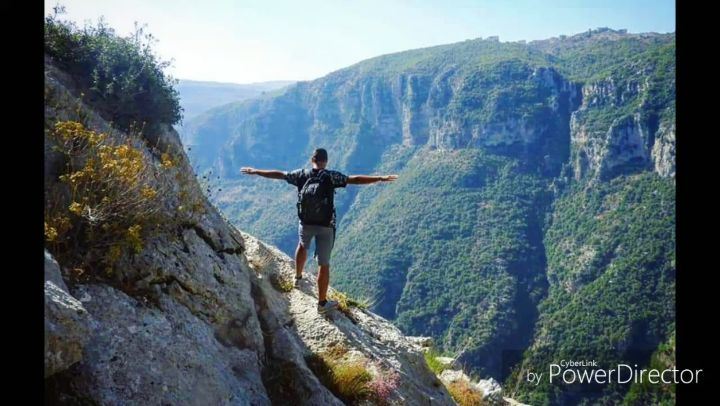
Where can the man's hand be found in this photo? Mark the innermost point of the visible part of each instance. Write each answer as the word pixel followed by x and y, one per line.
pixel 388 178
pixel 248 170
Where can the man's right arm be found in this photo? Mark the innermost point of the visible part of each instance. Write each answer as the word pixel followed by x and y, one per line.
pixel 271 174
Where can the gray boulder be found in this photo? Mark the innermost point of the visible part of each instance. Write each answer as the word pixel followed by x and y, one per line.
pixel 67 323
pixel 160 355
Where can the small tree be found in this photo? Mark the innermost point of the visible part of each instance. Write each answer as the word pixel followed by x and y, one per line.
pixel 121 76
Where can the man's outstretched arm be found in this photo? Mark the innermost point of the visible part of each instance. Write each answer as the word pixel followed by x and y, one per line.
pixel 366 179
pixel 272 174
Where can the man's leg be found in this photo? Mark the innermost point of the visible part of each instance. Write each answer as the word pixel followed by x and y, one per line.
pixel 323 281
pixel 324 241
pixel 300 259
pixel 304 237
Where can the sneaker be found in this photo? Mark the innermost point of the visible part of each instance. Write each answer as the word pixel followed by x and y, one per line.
pixel 329 305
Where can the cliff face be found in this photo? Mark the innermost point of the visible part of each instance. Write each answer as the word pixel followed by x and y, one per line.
pixel 197 317
pixel 359 117
pixel 614 121
pixel 644 139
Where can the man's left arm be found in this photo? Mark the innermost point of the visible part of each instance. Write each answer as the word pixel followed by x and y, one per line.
pixel 368 179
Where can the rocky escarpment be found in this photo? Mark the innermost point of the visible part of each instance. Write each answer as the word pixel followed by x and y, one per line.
pixel 364 333
pixel 504 98
pixel 466 95
pixel 359 116
pixel 196 317
pixel 434 112
pixel 182 349
pixel 67 322
pixel 617 130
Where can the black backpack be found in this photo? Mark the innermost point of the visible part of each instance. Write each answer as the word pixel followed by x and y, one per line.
pixel 315 200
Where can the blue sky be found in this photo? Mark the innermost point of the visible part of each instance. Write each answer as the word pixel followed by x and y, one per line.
pixel 251 41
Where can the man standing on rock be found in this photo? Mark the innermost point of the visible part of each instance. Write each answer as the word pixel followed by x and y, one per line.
pixel 316 210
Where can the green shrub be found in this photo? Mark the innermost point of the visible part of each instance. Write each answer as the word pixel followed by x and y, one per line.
pixel 433 363
pixel 282 282
pixel 345 302
pixel 383 384
pixel 348 379
pixel 463 394
pixel 121 76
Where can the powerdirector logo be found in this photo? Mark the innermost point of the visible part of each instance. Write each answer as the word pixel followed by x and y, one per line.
pixel 588 372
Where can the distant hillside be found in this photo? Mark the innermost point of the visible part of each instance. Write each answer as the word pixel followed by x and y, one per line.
pixel 198 96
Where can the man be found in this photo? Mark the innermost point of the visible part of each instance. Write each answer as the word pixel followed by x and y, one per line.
pixel 316 211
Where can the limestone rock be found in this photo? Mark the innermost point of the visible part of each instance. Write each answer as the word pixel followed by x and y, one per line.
pixel 513 402
pixel 159 355
pixel 489 388
pixel 627 144
pixel 446 361
pixel 423 342
pixel 368 334
pixel 663 151
pixel 67 323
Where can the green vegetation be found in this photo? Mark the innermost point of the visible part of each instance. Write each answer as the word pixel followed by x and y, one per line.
pixel 657 101
pixel 587 56
pixel 647 393
pixel 465 55
pixel 347 380
pixel 350 378
pixel 611 267
pixel 493 91
pixel 262 208
pixel 431 358
pixel 282 282
pixel 473 249
pixel 345 302
pixel 121 76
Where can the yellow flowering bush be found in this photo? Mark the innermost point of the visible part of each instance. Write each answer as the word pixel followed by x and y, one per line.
pixel 109 201
pixel 167 161
pixel 148 192
pixel 134 238
pixel 50 232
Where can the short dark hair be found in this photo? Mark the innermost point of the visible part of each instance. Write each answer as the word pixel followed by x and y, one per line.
pixel 320 155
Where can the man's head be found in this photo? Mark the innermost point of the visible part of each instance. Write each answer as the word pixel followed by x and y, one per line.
pixel 319 158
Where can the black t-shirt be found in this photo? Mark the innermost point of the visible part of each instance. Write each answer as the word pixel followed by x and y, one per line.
pixel 298 177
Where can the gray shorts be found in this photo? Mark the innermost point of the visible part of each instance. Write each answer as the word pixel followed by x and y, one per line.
pixel 324 241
